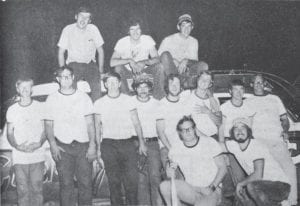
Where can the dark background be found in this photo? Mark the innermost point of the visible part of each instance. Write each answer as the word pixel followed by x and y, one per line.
pixel 232 34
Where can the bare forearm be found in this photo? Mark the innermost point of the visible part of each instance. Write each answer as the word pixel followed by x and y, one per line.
pixel 12 141
pixel 61 57
pixel 50 132
pixel 285 124
pixel 100 59
pixel 222 170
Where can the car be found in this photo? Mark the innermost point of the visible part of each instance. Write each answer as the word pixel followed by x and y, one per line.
pixel 274 85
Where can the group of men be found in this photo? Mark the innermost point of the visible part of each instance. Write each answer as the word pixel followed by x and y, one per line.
pixel 180 133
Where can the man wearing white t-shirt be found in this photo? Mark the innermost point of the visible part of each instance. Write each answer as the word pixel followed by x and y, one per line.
pixel 234 108
pixel 179 53
pixel 135 54
pixel 266 183
pixel 173 108
pixel 70 131
pixel 148 112
pixel 81 40
pixel 25 133
pixel 270 126
pixel 116 122
pixel 204 107
pixel 202 165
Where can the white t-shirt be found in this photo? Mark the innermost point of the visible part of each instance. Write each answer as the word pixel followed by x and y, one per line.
pixel 266 122
pixel 172 112
pixel 148 113
pixel 80 44
pixel 68 114
pixel 197 163
pixel 203 121
pixel 231 112
pixel 137 52
pixel 180 48
pixel 255 151
pixel 28 127
pixel 115 116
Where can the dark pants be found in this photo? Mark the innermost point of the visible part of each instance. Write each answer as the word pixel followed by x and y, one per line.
pixel 29 179
pixel 150 177
pixel 156 71
pixel 73 162
pixel 90 73
pixel 268 193
pixel 120 160
pixel 189 77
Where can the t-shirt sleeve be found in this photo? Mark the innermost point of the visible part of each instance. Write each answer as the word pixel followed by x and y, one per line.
pixel 97 107
pixel 88 105
pixel 63 40
pixel 97 37
pixel 163 46
pixel 231 146
pixel 281 108
pixel 150 41
pixel 49 108
pixel 195 52
pixel 215 148
pixel 119 47
pixel 10 114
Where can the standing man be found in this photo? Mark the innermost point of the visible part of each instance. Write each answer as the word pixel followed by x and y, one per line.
pixel 270 126
pixel 25 133
pixel 179 53
pixel 173 109
pixel 234 108
pixel 135 54
pixel 70 131
pixel 117 121
pixel 266 182
pixel 202 165
pixel 81 40
pixel 204 107
pixel 147 107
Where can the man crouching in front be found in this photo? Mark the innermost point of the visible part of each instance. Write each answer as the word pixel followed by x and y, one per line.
pixel 200 162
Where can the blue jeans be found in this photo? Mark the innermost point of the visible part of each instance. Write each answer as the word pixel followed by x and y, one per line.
pixel 73 162
pixel 120 161
pixel 29 179
pixel 150 177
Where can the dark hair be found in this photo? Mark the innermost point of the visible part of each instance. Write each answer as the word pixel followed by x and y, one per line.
pixel 249 132
pixel 111 74
pixel 207 73
pixel 135 85
pixel 58 72
pixel 84 9
pixel 171 77
pixel 184 119
pixel 132 21
pixel 236 82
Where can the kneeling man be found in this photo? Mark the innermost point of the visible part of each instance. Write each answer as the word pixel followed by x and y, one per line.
pixel 200 162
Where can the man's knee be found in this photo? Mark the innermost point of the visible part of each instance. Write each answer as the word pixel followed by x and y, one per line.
pixel 201 66
pixel 118 69
pixel 165 187
pixel 166 56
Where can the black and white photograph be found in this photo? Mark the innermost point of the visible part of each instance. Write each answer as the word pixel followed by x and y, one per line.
pixel 150 102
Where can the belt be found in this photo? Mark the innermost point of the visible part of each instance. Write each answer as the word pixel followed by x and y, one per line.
pixel 151 139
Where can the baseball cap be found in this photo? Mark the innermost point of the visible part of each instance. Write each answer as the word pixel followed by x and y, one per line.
pixel 185 17
pixel 242 120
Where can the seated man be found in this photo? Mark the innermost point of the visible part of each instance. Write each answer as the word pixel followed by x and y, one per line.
pixel 201 164
pixel 266 182
pixel 179 53
pixel 135 54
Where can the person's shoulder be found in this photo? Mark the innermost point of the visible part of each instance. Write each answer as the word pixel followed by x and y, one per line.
pixel 231 145
pixel 92 27
pixel 69 27
pixel 206 140
pixel 13 107
pixel 124 39
pixel 225 105
pixel 171 36
pixel 145 37
pixel 193 39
